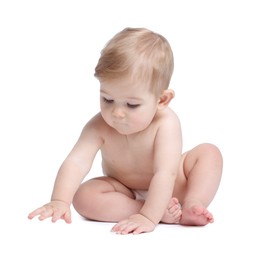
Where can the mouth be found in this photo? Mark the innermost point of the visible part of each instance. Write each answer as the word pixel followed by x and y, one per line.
pixel 121 127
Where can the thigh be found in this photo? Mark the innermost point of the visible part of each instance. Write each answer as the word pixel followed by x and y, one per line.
pixel 106 184
pixel 188 161
pixel 181 180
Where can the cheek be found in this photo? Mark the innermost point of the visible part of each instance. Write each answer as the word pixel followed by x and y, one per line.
pixel 105 108
pixel 143 118
pixel 104 112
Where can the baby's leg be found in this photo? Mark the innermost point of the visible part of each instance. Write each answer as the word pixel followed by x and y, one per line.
pixel 203 170
pixel 105 199
pixel 173 212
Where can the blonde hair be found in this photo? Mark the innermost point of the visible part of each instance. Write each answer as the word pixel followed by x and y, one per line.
pixel 140 54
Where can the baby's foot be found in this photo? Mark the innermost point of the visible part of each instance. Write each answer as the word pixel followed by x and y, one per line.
pixel 173 212
pixel 195 215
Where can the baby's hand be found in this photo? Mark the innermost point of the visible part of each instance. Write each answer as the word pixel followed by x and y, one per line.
pixel 55 209
pixel 135 224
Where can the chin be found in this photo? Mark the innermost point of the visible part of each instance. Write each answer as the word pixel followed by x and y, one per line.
pixel 128 131
pixel 124 132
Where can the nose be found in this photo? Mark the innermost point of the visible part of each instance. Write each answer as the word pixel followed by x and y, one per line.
pixel 118 112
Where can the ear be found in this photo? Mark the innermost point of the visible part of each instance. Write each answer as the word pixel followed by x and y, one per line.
pixel 165 98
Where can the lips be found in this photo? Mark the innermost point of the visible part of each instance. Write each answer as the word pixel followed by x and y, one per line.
pixel 122 128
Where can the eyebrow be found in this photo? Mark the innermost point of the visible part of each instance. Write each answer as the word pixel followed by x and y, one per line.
pixel 131 98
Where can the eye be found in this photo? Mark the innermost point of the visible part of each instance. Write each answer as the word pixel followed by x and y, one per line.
pixel 132 105
pixel 109 101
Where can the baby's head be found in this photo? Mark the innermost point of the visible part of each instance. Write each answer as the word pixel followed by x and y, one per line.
pixel 139 54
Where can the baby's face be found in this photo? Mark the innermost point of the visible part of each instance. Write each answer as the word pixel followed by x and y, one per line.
pixel 127 107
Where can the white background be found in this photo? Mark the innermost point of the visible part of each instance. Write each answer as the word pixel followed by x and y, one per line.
pixel 48 52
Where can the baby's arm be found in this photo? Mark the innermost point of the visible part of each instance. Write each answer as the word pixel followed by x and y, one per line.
pixel 70 175
pixel 168 148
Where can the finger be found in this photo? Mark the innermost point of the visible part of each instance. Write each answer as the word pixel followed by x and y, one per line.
pixel 143 229
pixel 117 226
pixel 67 217
pixel 57 214
pixel 139 230
pixel 126 227
pixel 131 227
pixel 48 212
pixel 36 212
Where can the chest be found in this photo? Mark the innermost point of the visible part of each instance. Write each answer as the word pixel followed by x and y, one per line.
pixel 133 153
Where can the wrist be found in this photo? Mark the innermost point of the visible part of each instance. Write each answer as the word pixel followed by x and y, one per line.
pixel 148 218
pixel 62 201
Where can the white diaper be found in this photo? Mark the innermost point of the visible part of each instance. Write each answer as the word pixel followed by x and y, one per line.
pixel 140 194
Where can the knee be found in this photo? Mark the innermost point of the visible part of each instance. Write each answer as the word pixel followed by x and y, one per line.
pixel 89 194
pixel 77 200
pixel 211 152
pixel 81 198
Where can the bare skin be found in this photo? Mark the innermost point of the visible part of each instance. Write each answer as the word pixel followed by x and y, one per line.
pixel 195 215
pixel 140 140
pixel 172 215
pixel 201 164
pixel 139 137
pixel 173 212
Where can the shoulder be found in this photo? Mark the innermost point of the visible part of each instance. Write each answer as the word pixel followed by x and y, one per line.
pixel 167 118
pixel 168 139
pixel 95 121
pixel 96 126
pixel 168 126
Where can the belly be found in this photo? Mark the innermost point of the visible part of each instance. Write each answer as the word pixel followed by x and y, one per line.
pixel 131 176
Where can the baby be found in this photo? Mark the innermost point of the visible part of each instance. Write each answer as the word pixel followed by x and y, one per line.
pixel 146 178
